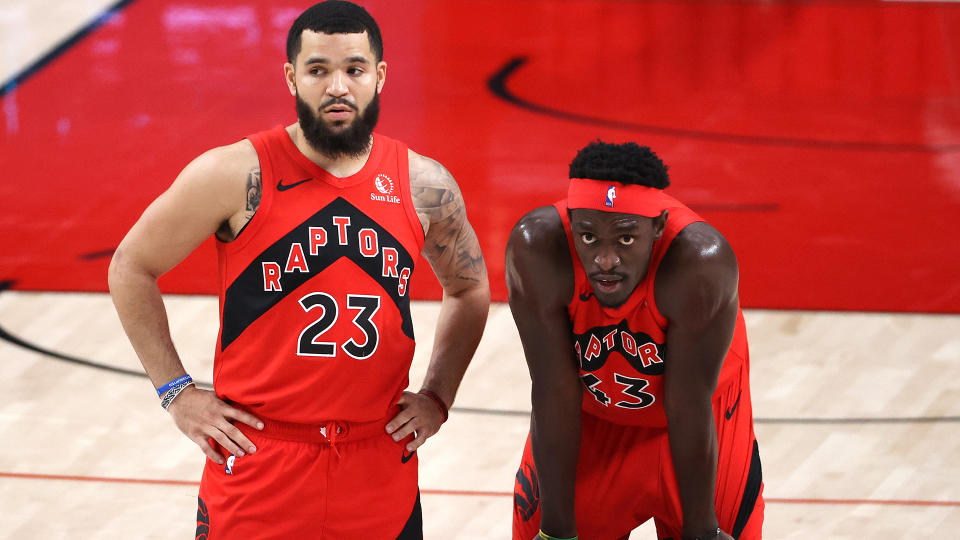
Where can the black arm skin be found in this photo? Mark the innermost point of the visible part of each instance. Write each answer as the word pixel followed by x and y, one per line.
pixel 696 290
pixel 539 275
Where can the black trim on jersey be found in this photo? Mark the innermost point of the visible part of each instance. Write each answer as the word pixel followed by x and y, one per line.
pixel 245 300
pixel 203 520
pixel 413 530
pixel 237 236
pixel 751 492
pixel 640 339
pixel 526 492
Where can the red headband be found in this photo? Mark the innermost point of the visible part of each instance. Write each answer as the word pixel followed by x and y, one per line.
pixel 616 197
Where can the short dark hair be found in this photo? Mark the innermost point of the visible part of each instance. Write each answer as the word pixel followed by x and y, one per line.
pixel 627 163
pixel 334 17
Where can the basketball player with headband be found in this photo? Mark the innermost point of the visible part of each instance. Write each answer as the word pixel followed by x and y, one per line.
pixel 628 310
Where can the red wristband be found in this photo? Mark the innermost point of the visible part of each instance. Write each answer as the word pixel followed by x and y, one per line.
pixel 436 399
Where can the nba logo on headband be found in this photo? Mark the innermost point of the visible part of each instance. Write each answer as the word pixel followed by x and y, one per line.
pixel 612 196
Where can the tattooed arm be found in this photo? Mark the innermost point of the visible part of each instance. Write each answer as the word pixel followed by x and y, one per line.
pixel 230 228
pixel 451 247
pixel 216 193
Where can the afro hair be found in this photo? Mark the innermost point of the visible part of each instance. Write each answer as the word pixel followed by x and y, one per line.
pixel 627 163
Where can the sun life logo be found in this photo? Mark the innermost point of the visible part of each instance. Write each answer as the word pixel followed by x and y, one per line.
pixel 611 195
pixel 384 184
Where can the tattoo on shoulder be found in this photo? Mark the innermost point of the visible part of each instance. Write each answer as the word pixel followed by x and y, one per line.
pixel 435 193
pixel 231 228
pixel 254 189
pixel 450 243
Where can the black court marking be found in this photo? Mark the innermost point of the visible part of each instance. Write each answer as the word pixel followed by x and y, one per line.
pixel 7 336
pixel 497 83
pixel 94 255
pixel 10 338
pixel 62 47
pixel 20 342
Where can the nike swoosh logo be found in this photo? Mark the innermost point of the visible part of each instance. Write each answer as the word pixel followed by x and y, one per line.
pixel 729 412
pixel 283 187
pixel 407 457
pixel 585 296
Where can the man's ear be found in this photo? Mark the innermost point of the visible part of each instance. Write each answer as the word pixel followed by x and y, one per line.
pixel 290 77
pixel 381 75
pixel 659 223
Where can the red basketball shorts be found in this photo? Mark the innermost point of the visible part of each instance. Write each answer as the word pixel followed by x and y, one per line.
pixel 625 476
pixel 345 481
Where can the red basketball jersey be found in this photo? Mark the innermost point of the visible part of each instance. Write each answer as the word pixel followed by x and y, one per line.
pixel 622 351
pixel 314 305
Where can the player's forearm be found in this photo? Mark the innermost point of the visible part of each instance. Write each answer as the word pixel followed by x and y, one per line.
pixel 459 328
pixel 140 308
pixel 693 447
pixel 555 432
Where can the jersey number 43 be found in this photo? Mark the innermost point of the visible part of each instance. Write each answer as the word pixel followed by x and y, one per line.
pixel 632 387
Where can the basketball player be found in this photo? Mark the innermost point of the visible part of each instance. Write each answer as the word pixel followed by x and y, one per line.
pixel 627 307
pixel 309 433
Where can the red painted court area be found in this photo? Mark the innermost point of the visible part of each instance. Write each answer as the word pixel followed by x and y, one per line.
pixel 822 138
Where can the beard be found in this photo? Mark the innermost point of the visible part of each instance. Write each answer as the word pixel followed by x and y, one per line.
pixel 350 142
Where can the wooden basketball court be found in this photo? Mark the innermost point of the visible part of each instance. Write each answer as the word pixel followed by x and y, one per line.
pixel 857 405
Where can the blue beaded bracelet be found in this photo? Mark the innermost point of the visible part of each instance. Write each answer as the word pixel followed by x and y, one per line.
pixel 176 382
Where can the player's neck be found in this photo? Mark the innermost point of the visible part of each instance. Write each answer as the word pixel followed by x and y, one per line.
pixel 341 167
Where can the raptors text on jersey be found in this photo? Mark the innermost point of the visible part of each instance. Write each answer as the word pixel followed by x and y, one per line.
pixel 314 292
pixel 622 352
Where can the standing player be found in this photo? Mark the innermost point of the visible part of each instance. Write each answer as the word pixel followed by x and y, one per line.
pixel 623 291
pixel 309 433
